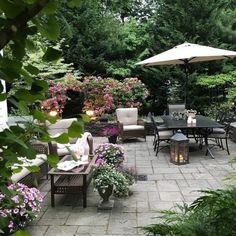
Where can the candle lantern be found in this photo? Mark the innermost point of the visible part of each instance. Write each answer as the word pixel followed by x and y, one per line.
pixel 179 148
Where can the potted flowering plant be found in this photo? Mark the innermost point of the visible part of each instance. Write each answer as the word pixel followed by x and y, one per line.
pixel 19 206
pixel 106 180
pixel 109 153
pixel 111 133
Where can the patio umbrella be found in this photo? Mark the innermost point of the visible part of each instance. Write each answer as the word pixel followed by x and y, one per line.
pixel 187 53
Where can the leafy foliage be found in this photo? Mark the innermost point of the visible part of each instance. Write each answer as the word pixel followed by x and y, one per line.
pixel 19 206
pixel 109 153
pixel 211 214
pixel 105 95
pixel 101 95
pixel 18 21
pixel 101 44
pixel 111 36
pixel 106 175
pixel 225 82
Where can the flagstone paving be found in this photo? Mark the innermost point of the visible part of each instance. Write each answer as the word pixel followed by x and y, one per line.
pixel 166 185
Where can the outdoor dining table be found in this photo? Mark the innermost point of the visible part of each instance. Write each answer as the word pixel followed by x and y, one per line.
pixel 203 124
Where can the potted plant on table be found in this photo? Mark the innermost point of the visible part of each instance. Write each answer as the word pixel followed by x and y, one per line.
pixel 111 133
pixel 19 206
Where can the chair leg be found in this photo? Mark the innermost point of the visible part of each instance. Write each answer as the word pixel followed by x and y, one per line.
pixel 200 142
pixel 226 143
pixel 154 140
pixel 157 148
pixel 221 144
pixel 155 145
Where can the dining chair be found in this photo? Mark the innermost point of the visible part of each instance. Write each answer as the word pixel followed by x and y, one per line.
pixel 220 134
pixel 161 134
pixel 176 108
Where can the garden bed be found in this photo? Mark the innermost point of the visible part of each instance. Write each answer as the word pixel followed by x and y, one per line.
pixel 96 128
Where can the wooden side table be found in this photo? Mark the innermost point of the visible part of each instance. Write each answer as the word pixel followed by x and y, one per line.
pixel 71 182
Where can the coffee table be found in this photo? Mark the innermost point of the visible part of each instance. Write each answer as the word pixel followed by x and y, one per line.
pixel 74 181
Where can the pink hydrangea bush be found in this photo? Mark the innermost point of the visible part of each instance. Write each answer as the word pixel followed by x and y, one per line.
pixel 19 206
pixel 56 95
pixel 105 95
pixel 102 95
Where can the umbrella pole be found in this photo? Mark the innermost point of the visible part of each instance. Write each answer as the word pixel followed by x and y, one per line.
pixel 186 84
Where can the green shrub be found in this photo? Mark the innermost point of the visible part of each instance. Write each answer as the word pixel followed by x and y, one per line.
pixel 213 214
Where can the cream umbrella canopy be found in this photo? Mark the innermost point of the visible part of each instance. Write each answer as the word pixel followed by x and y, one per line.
pixel 188 53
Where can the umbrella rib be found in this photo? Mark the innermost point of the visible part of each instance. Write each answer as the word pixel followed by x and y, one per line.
pixel 228 57
pixel 186 61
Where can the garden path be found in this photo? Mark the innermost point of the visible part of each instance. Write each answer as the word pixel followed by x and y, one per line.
pixel 160 186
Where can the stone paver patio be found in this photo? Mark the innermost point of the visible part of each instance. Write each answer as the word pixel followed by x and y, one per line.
pixel 166 185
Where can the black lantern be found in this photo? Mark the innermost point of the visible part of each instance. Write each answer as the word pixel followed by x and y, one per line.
pixel 179 149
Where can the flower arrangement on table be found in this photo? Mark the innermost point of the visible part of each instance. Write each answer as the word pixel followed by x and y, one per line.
pixel 109 153
pixel 179 115
pixel 19 206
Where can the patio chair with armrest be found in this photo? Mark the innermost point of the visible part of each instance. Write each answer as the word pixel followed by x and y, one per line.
pixel 220 134
pixel 129 125
pixel 161 134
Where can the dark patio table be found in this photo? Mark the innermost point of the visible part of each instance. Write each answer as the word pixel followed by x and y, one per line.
pixel 205 124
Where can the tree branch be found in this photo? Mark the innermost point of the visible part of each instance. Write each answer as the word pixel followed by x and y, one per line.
pixel 14 25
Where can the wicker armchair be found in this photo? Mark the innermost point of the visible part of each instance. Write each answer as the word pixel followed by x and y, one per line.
pixel 128 124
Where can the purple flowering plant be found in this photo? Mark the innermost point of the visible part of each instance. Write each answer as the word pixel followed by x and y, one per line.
pixel 19 206
pixel 110 131
pixel 109 153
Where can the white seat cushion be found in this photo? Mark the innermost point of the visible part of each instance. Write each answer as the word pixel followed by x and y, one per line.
pixel 165 134
pixel 218 131
pixel 80 146
pixel 61 126
pixel 127 116
pixel 133 127
pixel 39 160
pixel 217 135
pixel 76 144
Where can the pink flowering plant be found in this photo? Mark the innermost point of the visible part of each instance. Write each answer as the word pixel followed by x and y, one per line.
pixel 19 206
pixel 110 131
pixel 56 95
pixel 102 95
pixel 109 153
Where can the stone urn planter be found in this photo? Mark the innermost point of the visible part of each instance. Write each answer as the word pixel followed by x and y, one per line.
pixel 106 203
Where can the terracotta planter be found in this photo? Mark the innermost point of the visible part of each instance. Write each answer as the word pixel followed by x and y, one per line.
pixel 112 139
